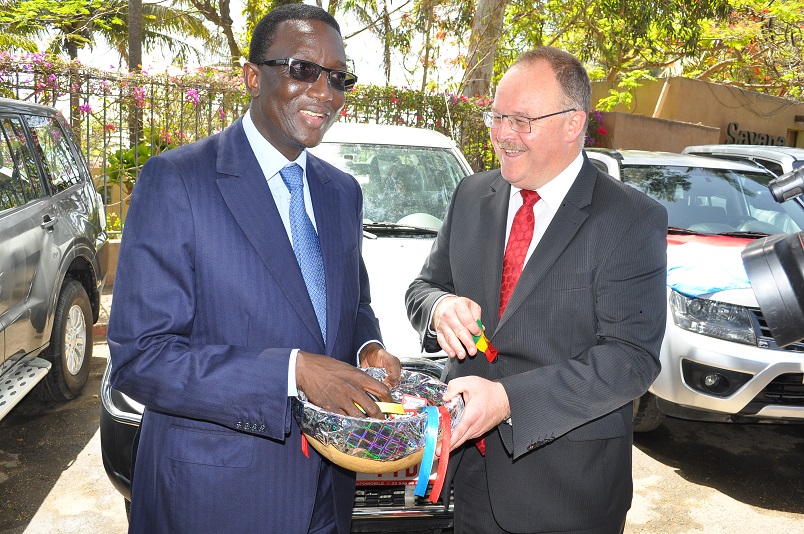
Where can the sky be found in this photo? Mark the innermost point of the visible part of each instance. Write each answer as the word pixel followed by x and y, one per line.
pixel 364 49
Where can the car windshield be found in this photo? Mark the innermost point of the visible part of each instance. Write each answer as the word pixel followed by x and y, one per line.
pixel 716 201
pixel 401 184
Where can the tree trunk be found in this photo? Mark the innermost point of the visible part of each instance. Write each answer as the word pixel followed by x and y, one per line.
pixel 135 30
pixel 223 20
pixel 486 31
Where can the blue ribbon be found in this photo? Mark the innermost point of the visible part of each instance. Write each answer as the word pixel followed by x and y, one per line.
pixel 430 442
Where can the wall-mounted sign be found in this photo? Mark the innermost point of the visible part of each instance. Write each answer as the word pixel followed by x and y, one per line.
pixel 736 136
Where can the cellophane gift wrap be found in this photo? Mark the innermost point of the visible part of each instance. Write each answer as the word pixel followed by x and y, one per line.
pixel 368 445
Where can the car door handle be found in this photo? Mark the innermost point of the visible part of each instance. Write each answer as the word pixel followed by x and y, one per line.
pixel 48 222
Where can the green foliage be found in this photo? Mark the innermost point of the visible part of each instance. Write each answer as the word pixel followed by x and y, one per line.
pixel 114 226
pixel 628 82
pixel 123 165
pixel 758 46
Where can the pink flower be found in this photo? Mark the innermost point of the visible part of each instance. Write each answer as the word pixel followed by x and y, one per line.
pixel 192 97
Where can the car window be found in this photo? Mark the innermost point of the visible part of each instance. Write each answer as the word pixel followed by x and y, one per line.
pixel 61 168
pixel 19 180
pixel 397 180
pixel 715 200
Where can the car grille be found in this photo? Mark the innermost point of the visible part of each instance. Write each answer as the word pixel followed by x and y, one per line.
pixel 764 337
pixel 786 389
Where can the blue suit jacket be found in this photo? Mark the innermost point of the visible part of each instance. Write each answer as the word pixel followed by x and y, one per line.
pixel 208 303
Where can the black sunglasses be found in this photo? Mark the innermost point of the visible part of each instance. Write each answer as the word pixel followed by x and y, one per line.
pixel 308 72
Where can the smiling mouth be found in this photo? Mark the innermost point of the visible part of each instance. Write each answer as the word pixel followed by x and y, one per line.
pixel 511 151
pixel 314 114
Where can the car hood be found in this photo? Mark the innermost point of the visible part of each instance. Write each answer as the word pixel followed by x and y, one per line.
pixel 709 267
pixel 392 264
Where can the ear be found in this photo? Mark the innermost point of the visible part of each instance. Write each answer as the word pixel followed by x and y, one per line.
pixel 251 77
pixel 575 126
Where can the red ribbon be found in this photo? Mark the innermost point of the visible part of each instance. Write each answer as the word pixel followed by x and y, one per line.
pixel 443 460
pixel 305 446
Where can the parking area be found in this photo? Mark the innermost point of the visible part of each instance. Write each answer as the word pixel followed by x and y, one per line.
pixel 689 476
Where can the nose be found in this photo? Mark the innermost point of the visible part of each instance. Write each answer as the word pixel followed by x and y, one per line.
pixel 321 89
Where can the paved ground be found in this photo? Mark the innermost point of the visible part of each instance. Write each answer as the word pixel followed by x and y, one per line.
pixel 689 477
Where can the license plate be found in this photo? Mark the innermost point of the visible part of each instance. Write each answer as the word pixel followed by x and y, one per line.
pixel 404 477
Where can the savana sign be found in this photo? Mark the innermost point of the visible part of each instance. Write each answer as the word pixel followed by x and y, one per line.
pixel 736 136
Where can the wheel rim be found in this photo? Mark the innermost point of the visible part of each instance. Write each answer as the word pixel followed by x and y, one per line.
pixel 75 339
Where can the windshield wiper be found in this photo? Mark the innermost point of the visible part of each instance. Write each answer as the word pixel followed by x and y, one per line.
pixel 396 227
pixel 677 230
pixel 744 234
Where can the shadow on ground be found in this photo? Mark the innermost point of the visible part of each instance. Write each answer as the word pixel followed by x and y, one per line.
pixel 38 442
pixel 760 465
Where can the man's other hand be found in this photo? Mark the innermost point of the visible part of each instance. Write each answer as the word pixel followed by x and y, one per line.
pixel 338 387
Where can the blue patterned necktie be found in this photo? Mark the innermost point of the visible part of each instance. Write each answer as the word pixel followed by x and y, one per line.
pixel 305 244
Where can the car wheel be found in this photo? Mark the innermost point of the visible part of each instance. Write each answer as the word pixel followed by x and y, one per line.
pixel 647 416
pixel 70 349
pixel 128 509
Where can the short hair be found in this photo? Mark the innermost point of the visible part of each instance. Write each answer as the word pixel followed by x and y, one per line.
pixel 265 31
pixel 570 73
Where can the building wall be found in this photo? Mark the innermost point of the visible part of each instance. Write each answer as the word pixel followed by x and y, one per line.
pixel 741 116
pixel 628 131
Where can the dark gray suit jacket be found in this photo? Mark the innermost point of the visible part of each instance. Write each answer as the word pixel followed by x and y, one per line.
pixel 579 341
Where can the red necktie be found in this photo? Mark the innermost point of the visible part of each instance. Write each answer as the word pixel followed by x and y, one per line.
pixel 514 259
pixel 518 243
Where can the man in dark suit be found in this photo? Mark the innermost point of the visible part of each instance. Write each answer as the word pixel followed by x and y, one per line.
pixel 566 268
pixel 241 282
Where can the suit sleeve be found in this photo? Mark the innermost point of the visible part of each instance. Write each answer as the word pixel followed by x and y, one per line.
pixel 630 312
pixel 434 281
pixel 154 317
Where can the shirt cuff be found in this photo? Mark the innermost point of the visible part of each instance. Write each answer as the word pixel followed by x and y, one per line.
pixel 293 391
pixel 364 346
pixel 430 331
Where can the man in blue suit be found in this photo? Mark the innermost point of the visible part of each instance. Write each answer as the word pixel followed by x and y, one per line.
pixel 232 295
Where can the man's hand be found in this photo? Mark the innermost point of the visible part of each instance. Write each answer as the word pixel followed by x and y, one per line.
pixel 374 355
pixel 486 406
pixel 455 321
pixel 336 386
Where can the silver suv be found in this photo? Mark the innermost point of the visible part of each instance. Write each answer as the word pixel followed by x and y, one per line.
pixel 52 230
pixel 777 159
pixel 719 360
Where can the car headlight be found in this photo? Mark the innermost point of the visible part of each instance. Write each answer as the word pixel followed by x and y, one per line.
pixel 713 318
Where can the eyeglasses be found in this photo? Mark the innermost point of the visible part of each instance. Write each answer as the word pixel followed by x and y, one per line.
pixel 518 123
pixel 308 72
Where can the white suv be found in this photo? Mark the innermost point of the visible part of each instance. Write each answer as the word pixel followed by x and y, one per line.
pixel 719 361
pixel 777 159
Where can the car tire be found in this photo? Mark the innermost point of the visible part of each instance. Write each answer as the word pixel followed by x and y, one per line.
pixel 128 509
pixel 70 349
pixel 647 416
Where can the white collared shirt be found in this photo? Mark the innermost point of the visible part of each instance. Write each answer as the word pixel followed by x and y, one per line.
pixel 552 195
pixel 271 162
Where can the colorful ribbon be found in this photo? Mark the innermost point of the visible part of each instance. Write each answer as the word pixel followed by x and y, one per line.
pixel 430 442
pixel 443 460
pixel 484 345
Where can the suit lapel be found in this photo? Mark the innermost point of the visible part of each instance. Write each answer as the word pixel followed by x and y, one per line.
pixel 494 213
pixel 245 190
pixel 565 224
pixel 326 205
